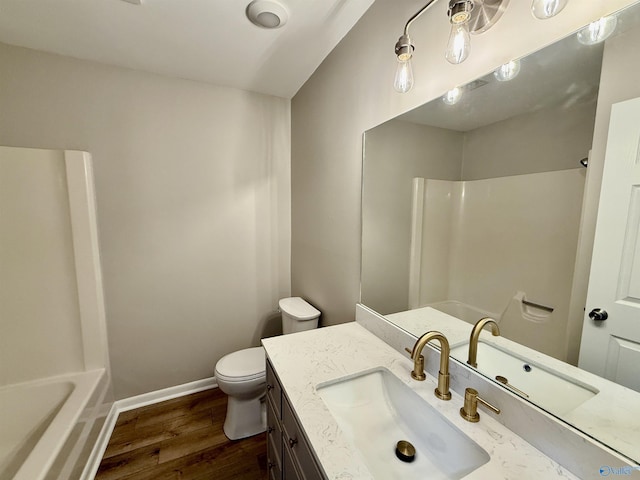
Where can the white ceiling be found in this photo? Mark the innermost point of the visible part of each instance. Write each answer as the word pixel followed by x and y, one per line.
pixel 205 40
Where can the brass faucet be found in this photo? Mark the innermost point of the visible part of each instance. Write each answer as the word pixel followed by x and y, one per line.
pixel 470 409
pixel 442 391
pixel 475 335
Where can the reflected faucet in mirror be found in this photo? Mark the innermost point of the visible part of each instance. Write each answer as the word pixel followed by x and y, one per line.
pixel 442 391
pixel 475 336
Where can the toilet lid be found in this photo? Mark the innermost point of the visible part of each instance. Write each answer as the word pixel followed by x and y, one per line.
pixel 244 364
pixel 298 308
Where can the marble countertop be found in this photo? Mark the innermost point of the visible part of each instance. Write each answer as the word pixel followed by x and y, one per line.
pixel 609 416
pixel 306 359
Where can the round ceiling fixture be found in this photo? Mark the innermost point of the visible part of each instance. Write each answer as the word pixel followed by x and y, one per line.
pixel 267 14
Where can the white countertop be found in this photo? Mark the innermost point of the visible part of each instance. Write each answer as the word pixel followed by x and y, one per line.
pixel 612 416
pixel 304 360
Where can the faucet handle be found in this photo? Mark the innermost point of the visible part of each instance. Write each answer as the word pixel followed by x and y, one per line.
pixel 418 366
pixel 469 411
pixel 418 369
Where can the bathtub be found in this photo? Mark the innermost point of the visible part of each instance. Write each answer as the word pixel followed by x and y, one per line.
pixel 467 313
pixel 37 418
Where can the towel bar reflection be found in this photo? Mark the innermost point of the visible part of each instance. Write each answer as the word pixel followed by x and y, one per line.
pixel 537 305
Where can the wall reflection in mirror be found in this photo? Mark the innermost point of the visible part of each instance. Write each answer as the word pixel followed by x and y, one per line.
pixel 474 205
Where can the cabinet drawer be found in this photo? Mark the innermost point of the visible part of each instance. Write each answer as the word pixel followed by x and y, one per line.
pixel 296 444
pixel 274 435
pixel 274 390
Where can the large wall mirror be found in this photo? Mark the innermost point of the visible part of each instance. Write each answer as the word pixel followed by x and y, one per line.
pixel 473 206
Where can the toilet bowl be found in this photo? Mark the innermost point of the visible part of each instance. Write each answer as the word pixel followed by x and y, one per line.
pixel 242 374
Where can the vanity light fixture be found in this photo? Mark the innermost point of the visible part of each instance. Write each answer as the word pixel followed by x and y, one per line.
pixel 267 14
pixel 459 43
pixel 543 9
pixel 404 72
pixel 598 31
pixel 404 52
pixel 508 71
pixel 466 17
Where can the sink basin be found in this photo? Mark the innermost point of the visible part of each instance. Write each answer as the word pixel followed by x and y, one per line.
pixel 375 410
pixel 550 390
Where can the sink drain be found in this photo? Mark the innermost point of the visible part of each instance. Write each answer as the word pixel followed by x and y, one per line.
pixel 405 451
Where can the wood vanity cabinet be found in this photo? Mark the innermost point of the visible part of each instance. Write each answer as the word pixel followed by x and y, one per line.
pixel 289 455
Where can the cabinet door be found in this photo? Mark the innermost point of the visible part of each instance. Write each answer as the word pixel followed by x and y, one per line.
pixel 289 471
pixel 296 444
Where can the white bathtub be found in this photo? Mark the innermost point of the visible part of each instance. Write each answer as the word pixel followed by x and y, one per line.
pixel 464 312
pixel 37 417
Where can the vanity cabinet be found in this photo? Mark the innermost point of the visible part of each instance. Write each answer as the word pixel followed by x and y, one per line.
pixel 289 455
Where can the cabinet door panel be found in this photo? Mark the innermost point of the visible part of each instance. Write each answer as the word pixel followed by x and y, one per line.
pixel 296 443
pixel 274 459
pixel 289 471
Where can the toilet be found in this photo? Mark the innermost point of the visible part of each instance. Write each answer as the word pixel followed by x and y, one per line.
pixel 242 374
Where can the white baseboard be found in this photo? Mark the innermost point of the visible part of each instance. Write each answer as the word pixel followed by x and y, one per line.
pixel 165 394
pixel 132 403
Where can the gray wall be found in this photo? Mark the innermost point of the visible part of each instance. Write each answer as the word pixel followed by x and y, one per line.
pixel 542 141
pixel 351 92
pixel 397 151
pixel 193 198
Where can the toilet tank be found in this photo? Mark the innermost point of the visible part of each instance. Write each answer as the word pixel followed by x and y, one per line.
pixel 297 315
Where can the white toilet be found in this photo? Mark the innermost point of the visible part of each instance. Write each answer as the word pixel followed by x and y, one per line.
pixel 242 374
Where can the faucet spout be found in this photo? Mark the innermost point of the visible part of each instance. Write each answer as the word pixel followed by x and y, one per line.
pixel 442 391
pixel 475 336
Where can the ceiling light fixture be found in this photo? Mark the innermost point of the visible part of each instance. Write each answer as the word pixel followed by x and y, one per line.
pixel 466 17
pixel 543 9
pixel 267 14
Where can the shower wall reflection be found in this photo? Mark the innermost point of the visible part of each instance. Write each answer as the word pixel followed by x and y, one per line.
pixel 498 242
pixel 497 219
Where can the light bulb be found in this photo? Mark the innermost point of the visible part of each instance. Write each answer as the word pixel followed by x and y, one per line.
pixel 453 96
pixel 598 31
pixel 544 9
pixel 404 75
pixel 508 71
pixel 459 43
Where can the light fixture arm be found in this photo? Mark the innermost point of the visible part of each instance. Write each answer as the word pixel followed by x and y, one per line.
pixel 404 46
pixel 416 15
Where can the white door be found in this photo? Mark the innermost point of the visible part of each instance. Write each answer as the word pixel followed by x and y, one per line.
pixel 611 347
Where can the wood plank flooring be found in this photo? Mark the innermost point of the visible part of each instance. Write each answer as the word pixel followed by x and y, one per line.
pixel 181 439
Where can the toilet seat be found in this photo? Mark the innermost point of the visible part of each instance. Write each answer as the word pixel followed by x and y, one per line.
pixel 242 366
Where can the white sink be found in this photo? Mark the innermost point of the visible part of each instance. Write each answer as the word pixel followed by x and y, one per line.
pixel 550 390
pixel 375 410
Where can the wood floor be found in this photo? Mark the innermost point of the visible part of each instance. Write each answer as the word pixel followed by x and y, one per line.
pixel 181 439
